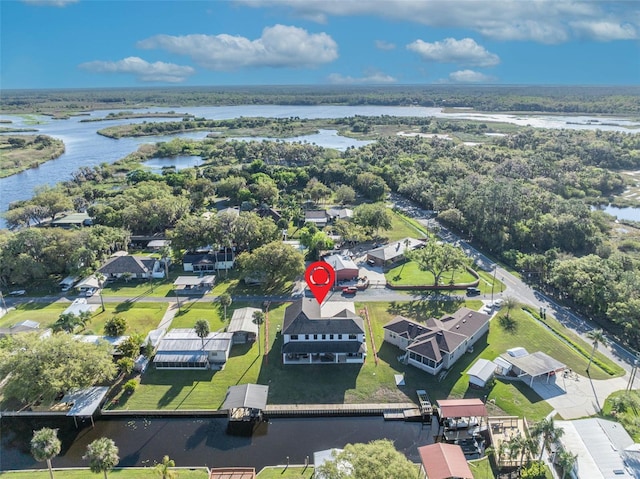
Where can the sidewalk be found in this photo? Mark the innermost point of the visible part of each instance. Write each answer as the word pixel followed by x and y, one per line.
pixel 169 314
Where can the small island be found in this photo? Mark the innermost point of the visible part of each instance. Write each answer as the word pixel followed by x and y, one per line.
pixel 22 152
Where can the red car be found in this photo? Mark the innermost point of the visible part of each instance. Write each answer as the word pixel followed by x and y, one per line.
pixel 349 290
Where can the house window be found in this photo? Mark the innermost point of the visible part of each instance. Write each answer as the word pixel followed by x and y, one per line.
pixel 331 336
pixel 353 336
pixel 306 336
pixel 339 336
pixel 315 336
pixel 294 337
pixel 324 336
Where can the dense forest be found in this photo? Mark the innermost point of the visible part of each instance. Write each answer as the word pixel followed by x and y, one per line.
pixel 558 99
pixel 524 197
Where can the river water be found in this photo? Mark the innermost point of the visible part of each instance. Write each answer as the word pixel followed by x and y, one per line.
pixel 86 148
pixel 204 442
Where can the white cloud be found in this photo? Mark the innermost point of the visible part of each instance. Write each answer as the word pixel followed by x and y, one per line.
pixel 373 77
pixel 382 45
pixel 279 46
pixel 470 76
pixel 605 31
pixel 544 21
pixel 50 3
pixel 450 50
pixel 143 70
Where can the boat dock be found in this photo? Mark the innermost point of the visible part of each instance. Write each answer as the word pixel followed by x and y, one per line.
pixel 391 410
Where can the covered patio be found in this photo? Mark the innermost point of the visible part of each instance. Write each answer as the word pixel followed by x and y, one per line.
pixel 534 365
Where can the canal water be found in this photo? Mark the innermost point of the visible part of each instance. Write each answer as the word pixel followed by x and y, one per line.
pixel 193 441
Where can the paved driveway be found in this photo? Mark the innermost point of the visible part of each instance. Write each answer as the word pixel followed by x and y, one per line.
pixel 577 396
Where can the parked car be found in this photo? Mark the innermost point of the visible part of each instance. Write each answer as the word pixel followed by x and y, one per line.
pixel 18 292
pixel 349 290
pixel 498 303
pixel 473 292
pixel 90 292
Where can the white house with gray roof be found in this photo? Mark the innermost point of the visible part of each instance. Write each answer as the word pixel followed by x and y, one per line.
pixel 438 343
pixel 137 267
pixel 323 334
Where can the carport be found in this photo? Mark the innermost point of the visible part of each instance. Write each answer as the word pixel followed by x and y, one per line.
pixel 534 365
pixel 85 402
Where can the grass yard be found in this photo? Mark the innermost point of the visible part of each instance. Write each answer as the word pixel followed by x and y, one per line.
pixel 45 314
pixel 481 469
pixel 141 317
pixel 403 227
pixel 410 274
pixel 353 383
pixel 121 473
pixel 181 389
pixel 624 407
pixel 286 473
pixel 209 310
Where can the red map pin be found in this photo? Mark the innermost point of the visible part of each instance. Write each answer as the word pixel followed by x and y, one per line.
pixel 320 278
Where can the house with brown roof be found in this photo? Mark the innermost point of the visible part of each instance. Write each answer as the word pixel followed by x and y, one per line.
pixel 322 334
pixel 438 343
pixel 443 461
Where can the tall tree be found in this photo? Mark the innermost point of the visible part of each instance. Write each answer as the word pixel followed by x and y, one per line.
pixel 41 368
pixel 45 445
pixel 548 432
pixel 102 455
pixel 510 303
pixel 225 300
pixel 435 257
pixel 275 263
pixel 566 461
pixel 375 460
pixel 372 217
pixel 202 330
pixel 597 337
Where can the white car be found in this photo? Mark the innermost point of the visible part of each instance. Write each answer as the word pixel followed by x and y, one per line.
pixel 18 292
pixel 498 303
pixel 90 292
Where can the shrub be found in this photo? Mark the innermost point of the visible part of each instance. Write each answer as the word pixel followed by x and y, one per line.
pixel 130 386
pixel 115 326
pixel 125 365
pixel 536 470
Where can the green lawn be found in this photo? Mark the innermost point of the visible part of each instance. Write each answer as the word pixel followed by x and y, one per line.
pixel 409 274
pixel 286 473
pixel 122 473
pixel 351 383
pixel 199 389
pixel 45 314
pixel 141 317
pixel 403 227
pixel 624 407
pixel 481 469
pixel 212 312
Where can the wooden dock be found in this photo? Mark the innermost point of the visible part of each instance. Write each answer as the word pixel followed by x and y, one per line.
pixel 292 410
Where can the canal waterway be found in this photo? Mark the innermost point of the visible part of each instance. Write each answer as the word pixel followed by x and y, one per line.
pixel 193 441
pixel 84 147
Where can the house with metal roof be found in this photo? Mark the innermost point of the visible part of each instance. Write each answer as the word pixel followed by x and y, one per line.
pixel 531 366
pixel 481 372
pixel 317 217
pixel 323 334
pixel 443 461
pixel 242 325
pixel 182 348
pixel 343 265
pixel 438 343
pixel 26 326
pixel 603 447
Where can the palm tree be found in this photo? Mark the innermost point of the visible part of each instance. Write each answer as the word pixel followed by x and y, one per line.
pixel 45 445
pixel 162 468
pixel 258 318
pixel 202 330
pixel 102 455
pixel 549 433
pixel 596 336
pixel 225 300
pixel 100 278
pixel 566 461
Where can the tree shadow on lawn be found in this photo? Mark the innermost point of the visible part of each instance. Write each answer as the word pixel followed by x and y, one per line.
pixel 306 383
pixel 178 380
pixel 423 309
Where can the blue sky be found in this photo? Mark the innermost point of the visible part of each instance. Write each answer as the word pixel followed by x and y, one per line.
pixel 94 43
